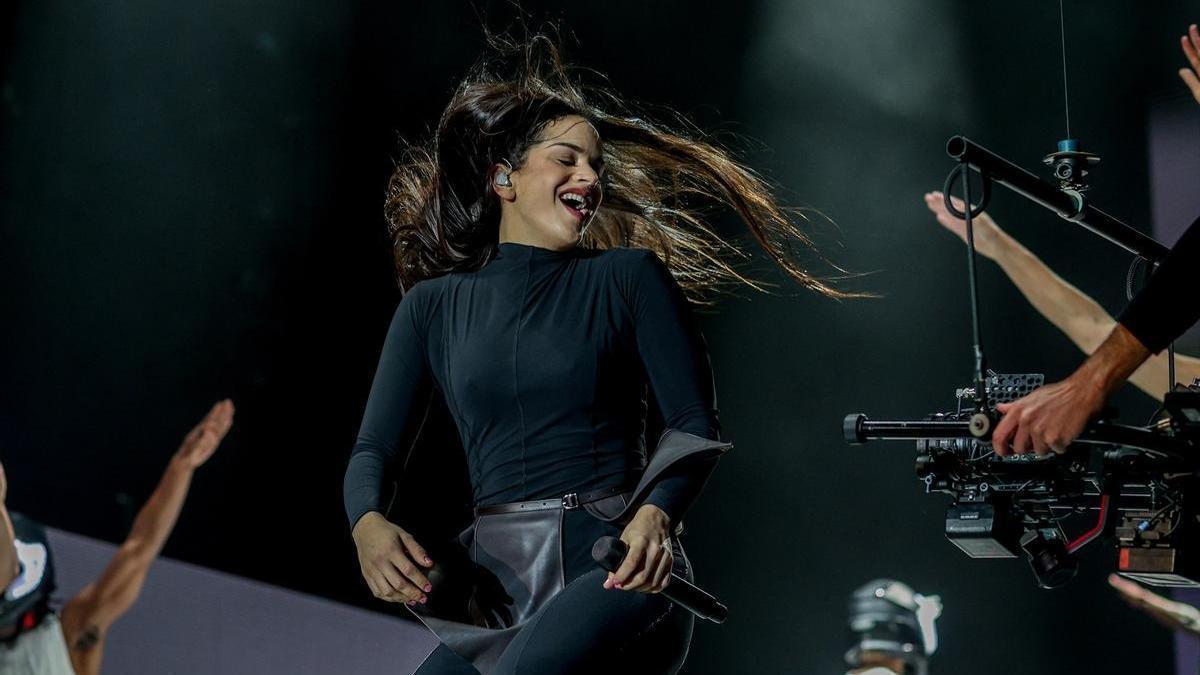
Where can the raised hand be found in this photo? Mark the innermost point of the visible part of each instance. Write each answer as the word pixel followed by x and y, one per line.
pixel 988 234
pixel 391 560
pixel 647 566
pixel 202 441
pixel 1173 615
pixel 1191 50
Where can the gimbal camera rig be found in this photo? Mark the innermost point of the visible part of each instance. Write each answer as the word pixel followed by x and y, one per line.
pixel 1140 485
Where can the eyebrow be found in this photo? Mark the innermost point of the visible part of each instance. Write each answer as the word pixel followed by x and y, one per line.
pixel 576 148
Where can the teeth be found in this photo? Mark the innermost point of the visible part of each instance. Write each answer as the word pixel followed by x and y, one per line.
pixel 573 197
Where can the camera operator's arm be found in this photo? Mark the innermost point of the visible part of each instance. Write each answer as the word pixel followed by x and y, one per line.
pixel 1078 316
pixel 10 566
pixel 87 616
pixel 1053 416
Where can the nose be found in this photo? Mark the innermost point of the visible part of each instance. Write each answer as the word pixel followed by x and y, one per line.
pixel 587 175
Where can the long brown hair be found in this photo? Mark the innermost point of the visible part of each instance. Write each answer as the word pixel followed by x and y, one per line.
pixel 660 180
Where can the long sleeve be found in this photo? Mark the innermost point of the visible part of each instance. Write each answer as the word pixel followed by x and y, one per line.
pixel 676 363
pixel 1169 304
pixel 395 409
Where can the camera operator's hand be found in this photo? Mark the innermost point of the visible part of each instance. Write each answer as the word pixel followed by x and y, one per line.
pixel 1053 416
pixel 647 566
pixel 1173 615
pixel 990 240
pixel 391 560
pixel 1191 50
pixel 1049 418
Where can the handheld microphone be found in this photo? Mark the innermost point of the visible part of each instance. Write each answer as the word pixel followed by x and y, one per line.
pixel 610 552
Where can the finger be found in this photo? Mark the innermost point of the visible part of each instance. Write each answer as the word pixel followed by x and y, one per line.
pixel 1003 432
pixel 1040 446
pixel 380 588
pixel 632 563
pixel 411 572
pixel 937 203
pixel 1121 584
pixel 219 421
pixel 225 419
pixel 1157 602
pixel 401 584
pixel 1189 78
pixel 416 550
pixel 212 414
pixel 662 576
pixel 1191 46
pixel 640 581
pixel 194 435
pixel 1021 443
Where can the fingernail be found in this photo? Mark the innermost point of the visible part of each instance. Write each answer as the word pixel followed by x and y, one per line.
pixel 428 561
pixel 424 599
pixel 410 603
pixel 428 587
pixel 618 585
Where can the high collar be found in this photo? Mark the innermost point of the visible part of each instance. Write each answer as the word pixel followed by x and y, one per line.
pixel 508 254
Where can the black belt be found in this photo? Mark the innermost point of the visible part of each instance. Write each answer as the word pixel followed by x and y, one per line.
pixel 567 502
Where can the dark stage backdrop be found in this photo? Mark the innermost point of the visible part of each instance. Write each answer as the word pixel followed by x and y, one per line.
pixel 191 202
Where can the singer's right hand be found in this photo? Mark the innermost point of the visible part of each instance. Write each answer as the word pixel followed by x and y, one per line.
pixel 391 560
pixel 988 235
pixel 647 565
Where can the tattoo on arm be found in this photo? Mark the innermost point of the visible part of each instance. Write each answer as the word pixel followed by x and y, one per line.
pixel 88 638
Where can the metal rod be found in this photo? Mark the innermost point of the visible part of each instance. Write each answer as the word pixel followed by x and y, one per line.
pixel 1069 205
pixel 980 365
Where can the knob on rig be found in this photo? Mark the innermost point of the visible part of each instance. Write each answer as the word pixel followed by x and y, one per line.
pixel 1070 165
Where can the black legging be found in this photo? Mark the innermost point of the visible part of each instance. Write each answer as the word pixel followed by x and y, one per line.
pixel 587 628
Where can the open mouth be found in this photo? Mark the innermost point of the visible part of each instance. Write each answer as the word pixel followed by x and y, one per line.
pixel 579 204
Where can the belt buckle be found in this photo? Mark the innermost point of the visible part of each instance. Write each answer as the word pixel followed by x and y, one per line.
pixel 570 501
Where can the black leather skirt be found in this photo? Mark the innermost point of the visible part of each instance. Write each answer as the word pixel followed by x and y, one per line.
pixel 506 567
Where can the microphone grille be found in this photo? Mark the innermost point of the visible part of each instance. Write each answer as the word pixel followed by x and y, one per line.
pixel 609 552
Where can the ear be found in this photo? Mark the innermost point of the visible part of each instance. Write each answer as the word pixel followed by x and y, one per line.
pixel 502 180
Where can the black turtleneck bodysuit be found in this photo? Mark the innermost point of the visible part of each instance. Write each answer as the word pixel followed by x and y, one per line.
pixel 543 358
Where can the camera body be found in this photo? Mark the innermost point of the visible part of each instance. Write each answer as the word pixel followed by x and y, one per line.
pixel 1135 485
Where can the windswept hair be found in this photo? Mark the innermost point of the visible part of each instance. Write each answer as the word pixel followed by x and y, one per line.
pixel 659 183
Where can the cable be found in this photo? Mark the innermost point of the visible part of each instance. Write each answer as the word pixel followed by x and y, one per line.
pixel 1062 24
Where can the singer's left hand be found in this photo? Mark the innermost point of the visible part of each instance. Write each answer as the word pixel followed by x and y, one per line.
pixel 647 567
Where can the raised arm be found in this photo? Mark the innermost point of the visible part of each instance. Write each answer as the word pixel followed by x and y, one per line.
pixel 1052 417
pixel 10 567
pixel 1078 316
pixel 87 616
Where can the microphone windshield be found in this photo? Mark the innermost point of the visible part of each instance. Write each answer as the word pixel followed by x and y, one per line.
pixel 609 552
